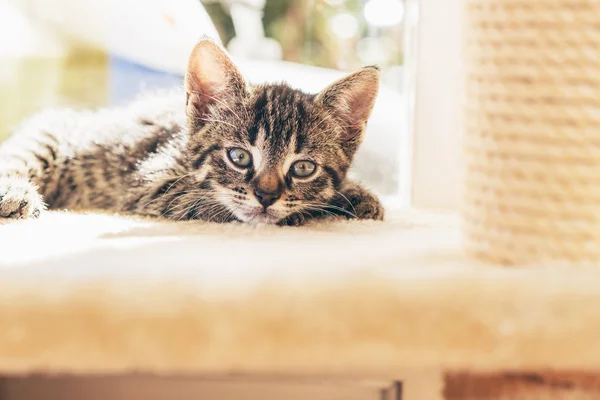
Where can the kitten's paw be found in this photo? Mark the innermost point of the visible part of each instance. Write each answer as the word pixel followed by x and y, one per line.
pixel 362 204
pixel 19 199
pixel 293 220
pixel 370 208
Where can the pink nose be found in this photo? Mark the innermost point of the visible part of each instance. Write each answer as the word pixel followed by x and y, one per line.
pixel 266 198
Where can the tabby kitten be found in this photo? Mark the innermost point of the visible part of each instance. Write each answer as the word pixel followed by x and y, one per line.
pixel 264 154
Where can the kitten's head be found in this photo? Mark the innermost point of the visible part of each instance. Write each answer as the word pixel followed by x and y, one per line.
pixel 268 151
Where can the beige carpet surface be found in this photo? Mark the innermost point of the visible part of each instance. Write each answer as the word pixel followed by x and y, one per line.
pixel 98 293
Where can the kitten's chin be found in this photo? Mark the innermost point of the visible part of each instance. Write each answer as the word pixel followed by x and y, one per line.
pixel 258 218
pixel 263 219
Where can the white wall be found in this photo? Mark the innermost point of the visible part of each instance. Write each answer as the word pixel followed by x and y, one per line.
pixel 436 142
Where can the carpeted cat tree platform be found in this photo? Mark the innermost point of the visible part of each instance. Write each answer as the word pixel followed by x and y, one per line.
pixel 112 295
pixel 503 305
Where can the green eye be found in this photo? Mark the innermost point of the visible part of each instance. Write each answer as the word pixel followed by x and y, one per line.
pixel 240 157
pixel 303 169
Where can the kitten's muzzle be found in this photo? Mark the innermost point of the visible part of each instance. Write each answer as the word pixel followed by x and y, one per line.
pixel 267 188
pixel 266 198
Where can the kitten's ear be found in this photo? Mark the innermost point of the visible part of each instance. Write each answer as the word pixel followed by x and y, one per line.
pixel 211 78
pixel 351 99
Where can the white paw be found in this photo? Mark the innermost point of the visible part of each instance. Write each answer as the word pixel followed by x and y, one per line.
pixel 19 199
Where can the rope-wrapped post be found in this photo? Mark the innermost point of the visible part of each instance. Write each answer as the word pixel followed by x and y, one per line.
pixel 532 131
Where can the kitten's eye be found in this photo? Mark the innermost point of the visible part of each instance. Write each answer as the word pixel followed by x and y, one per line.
pixel 240 157
pixel 303 169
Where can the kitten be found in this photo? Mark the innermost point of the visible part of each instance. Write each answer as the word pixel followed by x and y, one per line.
pixel 259 154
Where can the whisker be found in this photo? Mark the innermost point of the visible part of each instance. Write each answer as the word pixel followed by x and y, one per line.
pixel 185 204
pixel 193 204
pixel 220 212
pixel 328 207
pixel 186 210
pixel 319 209
pixel 179 178
pixel 349 202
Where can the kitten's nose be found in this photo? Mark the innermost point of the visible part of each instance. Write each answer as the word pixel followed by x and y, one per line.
pixel 266 198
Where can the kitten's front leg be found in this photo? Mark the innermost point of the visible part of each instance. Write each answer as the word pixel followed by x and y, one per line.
pixel 19 198
pixel 354 201
pixel 23 169
pixel 351 201
pixel 295 219
pixel 20 170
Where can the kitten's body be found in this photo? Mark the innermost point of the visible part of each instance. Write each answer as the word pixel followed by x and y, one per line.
pixel 95 160
pixel 152 159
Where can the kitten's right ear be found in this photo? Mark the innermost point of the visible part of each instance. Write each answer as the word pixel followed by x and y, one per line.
pixel 211 78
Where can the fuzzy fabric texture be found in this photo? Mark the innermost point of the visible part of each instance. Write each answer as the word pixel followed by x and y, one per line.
pixel 100 293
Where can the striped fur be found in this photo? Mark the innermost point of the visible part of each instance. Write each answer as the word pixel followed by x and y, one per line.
pixel 161 157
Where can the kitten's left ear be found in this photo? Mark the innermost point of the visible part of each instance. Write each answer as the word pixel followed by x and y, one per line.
pixel 351 99
pixel 211 78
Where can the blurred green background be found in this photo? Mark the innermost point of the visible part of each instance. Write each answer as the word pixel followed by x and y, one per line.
pixel 306 31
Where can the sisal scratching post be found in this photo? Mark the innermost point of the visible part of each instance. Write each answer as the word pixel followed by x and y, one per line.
pixel 532 131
